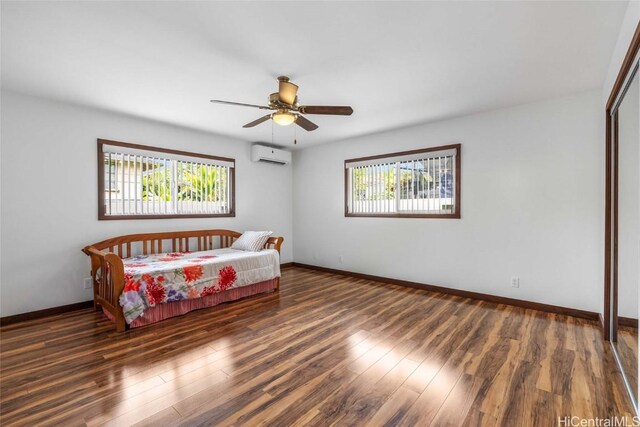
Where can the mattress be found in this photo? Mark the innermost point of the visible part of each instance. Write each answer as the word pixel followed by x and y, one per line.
pixel 169 277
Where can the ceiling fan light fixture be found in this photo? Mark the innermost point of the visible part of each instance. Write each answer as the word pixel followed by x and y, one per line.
pixel 283 117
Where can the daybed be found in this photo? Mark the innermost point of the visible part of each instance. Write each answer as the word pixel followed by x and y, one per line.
pixel 136 283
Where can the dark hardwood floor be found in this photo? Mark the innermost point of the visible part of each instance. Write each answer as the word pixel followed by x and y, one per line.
pixel 627 349
pixel 326 349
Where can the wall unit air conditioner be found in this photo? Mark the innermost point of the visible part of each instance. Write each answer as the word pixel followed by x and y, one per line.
pixel 262 153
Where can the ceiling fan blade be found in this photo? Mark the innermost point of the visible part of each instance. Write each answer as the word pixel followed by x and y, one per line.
pixel 240 104
pixel 305 123
pixel 333 110
pixel 287 91
pixel 258 121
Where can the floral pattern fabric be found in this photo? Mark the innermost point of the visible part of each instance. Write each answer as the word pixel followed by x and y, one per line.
pixel 163 278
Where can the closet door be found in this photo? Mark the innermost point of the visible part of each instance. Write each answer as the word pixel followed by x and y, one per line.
pixel 626 230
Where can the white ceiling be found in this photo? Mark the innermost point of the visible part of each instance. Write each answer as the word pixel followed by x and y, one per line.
pixel 395 63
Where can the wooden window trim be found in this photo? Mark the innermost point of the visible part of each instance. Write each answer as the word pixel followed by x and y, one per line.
pixel 101 210
pixel 458 186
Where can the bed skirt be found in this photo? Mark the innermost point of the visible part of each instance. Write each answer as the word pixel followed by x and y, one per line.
pixel 178 308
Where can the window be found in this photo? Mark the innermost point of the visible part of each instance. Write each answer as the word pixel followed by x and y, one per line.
pixel 112 170
pixel 137 181
pixel 414 184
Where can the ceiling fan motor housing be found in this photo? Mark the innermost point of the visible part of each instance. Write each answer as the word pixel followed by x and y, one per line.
pixel 274 99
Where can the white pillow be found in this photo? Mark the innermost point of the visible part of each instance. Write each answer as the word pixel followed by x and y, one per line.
pixel 251 241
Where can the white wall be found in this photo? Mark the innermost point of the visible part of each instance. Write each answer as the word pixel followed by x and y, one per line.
pixel 49 199
pixel 532 206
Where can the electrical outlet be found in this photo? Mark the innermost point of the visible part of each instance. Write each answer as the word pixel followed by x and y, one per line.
pixel 515 282
pixel 88 282
pixel 340 259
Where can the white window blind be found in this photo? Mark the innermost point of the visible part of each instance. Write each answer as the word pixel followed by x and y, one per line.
pixel 140 182
pixel 416 183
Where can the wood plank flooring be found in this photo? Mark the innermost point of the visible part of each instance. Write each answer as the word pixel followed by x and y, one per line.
pixel 627 349
pixel 325 350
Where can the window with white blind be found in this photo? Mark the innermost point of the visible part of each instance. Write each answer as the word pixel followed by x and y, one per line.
pixel 415 184
pixel 137 181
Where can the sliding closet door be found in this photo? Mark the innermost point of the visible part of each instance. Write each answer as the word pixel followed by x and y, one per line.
pixel 626 243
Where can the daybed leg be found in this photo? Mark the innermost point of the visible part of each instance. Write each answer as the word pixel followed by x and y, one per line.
pixel 277 288
pixel 96 306
pixel 120 325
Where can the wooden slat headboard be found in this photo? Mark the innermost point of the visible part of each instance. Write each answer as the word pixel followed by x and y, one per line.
pixel 173 241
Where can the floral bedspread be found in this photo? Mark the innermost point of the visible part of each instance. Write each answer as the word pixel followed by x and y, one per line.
pixel 163 278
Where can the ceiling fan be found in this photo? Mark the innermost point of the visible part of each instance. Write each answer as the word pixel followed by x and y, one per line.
pixel 284 103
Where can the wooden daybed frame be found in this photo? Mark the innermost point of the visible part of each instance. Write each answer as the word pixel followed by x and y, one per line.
pixel 106 256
